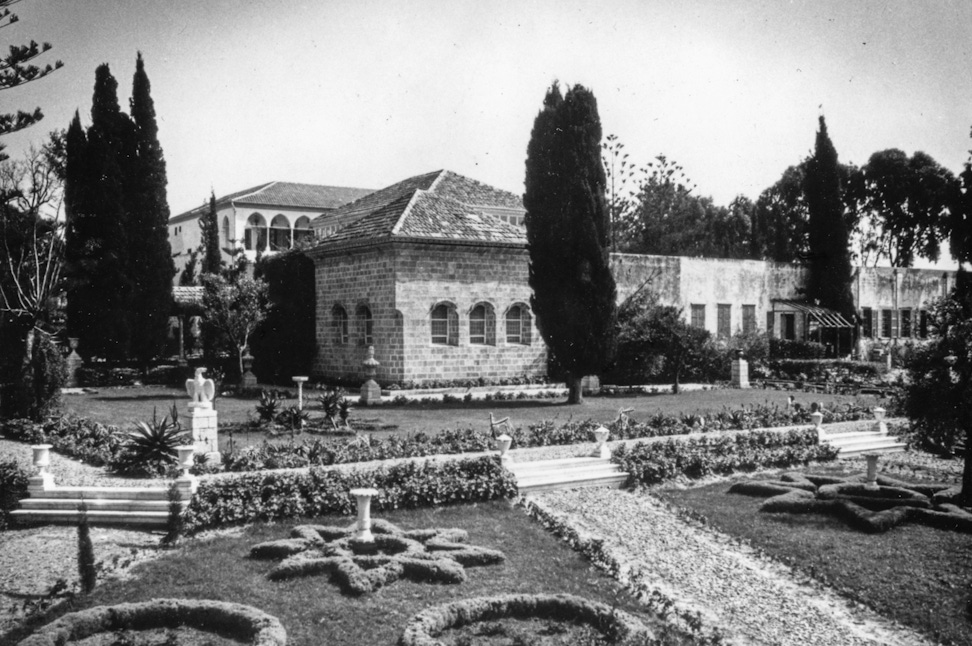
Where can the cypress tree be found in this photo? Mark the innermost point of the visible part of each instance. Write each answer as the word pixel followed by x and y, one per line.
pixel 150 263
pixel 100 292
pixel 830 268
pixel 212 260
pixel 568 232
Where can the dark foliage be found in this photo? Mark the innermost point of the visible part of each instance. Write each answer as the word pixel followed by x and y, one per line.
pixel 150 259
pixel 285 343
pixel 151 448
pixel 87 570
pixel 13 488
pixel 830 269
pixel 568 235
pixel 212 256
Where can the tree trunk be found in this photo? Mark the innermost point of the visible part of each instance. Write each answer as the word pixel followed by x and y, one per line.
pixel 575 392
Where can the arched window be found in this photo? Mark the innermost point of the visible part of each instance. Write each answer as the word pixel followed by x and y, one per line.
pixel 482 325
pixel 226 232
pixel 365 325
pixel 255 234
pixel 518 324
pixel 445 324
pixel 302 230
pixel 279 233
pixel 339 319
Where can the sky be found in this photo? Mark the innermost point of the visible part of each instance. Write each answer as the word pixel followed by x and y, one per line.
pixel 365 93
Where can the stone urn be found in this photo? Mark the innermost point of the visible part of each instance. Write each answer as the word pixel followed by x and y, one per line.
pixel 42 457
pixel 880 426
pixel 186 453
pixel 601 436
pixel 503 443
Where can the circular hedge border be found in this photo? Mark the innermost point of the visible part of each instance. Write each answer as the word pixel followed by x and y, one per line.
pixel 422 628
pixel 238 620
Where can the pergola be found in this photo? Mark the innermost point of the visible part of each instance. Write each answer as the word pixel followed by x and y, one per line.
pixel 186 302
pixel 815 317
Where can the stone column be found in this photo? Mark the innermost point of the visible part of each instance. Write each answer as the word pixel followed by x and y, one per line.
pixel 363 498
pixel 248 380
pixel 740 372
pixel 74 362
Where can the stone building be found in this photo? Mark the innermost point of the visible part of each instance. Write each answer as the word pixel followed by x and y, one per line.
pixel 268 218
pixel 432 271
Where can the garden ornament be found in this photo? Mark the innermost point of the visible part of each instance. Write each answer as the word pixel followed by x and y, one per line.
pixel 201 390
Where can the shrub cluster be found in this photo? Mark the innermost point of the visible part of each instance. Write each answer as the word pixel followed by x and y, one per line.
pixel 252 626
pixel 78 437
pixel 13 488
pixel 826 370
pixel 619 626
pixel 101 376
pixel 327 451
pixel 796 349
pixel 650 463
pixel 318 492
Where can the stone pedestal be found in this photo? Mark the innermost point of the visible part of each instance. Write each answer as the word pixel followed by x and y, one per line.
pixel 204 425
pixel 817 419
pixel 880 425
pixel 601 436
pixel 740 373
pixel 590 384
pixel 872 461
pixel 248 380
pixel 370 390
pixel 363 498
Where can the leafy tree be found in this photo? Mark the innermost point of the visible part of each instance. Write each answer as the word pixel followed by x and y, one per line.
pixel 618 172
pixel 234 306
pixel 150 261
pixel 903 206
pixel 212 258
pixel 830 269
pixel 780 222
pixel 667 214
pixel 568 230
pixel 17 69
pixel 100 284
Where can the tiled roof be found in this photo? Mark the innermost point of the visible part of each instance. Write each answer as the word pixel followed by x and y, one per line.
pixel 436 206
pixel 285 194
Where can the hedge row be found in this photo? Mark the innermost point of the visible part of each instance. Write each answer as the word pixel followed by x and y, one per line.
pixel 828 370
pixel 245 622
pixel 422 629
pixel 318 492
pixel 650 463
pixel 323 452
pixel 13 488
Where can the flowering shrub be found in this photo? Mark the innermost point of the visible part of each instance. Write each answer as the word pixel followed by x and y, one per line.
pixel 318 492
pixel 649 463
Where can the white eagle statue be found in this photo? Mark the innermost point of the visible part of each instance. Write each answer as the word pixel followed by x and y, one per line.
pixel 201 390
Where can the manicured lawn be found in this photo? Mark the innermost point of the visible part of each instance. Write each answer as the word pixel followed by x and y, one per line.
pixel 914 574
pixel 122 406
pixel 314 612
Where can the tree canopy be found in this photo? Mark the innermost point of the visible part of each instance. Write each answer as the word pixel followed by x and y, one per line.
pixel 568 230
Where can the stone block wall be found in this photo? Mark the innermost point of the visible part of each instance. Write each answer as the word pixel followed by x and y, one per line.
pixel 464 276
pixel 349 279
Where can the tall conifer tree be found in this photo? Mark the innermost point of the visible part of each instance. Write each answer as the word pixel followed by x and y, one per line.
pixel 830 268
pixel 151 266
pixel 568 232
pixel 212 259
pixel 100 291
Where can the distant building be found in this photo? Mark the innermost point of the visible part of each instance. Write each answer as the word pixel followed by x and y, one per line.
pixel 432 271
pixel 270 217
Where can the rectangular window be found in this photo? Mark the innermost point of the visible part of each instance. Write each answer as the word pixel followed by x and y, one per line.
pixel 698 316
pixel 867 322
pixel 923 324
pixel 749 319
pixel 724 313
pixel 906 323
pixel 789 326
pixel 886 323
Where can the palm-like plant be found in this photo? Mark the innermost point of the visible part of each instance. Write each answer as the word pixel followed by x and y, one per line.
pixel 151 447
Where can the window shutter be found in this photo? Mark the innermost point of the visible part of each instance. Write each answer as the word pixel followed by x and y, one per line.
pixel 453 327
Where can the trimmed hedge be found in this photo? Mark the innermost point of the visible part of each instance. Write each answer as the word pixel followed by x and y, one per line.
pixel 827 370
pixel 360 567
pixel 13 488
pixel 246 622
pixel 323 452
pixel 246 498
pixel 794 349
pixel 650 463
pixel 623 628
pixel 99 376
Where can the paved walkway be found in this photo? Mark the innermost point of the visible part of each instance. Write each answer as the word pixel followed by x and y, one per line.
pixel 748 598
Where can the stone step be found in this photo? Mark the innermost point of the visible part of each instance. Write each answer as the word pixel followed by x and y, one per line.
pixel 94 493
pixel 614 480
pixel 562 464
pixel 93 504
pixel 860 448
pixel 95 517
pixel 837 438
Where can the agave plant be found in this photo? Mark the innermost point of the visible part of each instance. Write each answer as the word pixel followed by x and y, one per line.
pixel 151 447
pixel 293 418
pixel 267 408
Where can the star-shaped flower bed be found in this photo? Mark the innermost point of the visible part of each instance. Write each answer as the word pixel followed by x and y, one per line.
pixel 358 567
pixel 873 509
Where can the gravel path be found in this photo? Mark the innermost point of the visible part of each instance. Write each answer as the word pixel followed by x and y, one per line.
pixel 750 599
